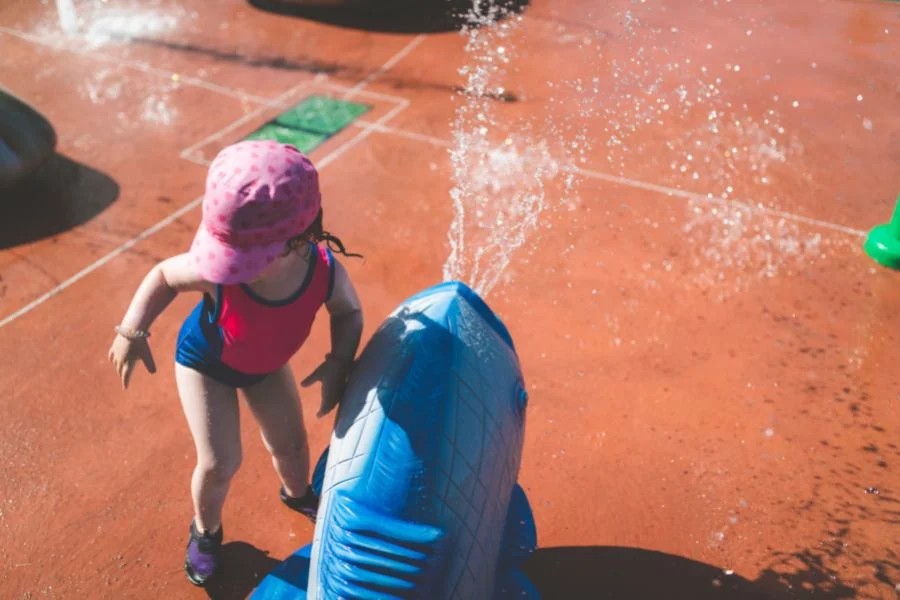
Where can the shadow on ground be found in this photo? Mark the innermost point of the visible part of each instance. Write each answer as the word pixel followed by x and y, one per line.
pixel 58 196
pixel 608 572
pixel 389 16
pixel 243 566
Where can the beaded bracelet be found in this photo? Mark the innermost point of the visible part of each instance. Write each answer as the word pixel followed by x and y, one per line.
pixel 132 334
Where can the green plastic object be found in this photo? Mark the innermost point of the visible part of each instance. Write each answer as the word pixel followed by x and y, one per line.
pixel 883 242
pixel 311 122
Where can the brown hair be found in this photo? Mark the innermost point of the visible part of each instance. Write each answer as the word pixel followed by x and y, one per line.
pixel 315 233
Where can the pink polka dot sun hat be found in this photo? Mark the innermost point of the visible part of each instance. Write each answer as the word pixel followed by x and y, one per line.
pixel 259 194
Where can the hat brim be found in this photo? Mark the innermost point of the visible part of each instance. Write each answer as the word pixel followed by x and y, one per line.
pixel 218 262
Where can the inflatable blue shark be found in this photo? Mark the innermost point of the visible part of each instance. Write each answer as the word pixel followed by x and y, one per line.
pixel 418 487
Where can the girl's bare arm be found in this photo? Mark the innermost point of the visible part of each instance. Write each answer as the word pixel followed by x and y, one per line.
pixel 165 281
pixel 346 316
pixel 161 285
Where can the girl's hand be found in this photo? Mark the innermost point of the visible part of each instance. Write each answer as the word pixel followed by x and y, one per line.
pixel 125 352
pixel 333 374
pixel 160 286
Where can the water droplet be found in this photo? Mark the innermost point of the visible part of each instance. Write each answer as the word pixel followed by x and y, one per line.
pixel 867 124
pixel 795 104
pixel 859 98
pixel 769 432
pixel 873 491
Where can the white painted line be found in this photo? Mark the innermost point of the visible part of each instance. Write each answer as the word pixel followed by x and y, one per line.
pixel 387 65
pixel 357 90
pixel 715 200
pixel 197 160
pixel 102 261
pixel 363 93
pixel 359 137
pixel 411 135
pixel 791 216
pixel 276 103
pixel 652 187
pixel 227 129
pixel 281 102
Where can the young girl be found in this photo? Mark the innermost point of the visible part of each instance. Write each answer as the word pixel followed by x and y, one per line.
pixel 257 260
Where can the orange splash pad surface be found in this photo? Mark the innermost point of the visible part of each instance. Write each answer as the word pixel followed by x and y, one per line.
pixel 709 353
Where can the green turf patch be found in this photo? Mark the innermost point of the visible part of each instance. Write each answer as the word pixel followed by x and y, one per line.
pixel 311 122
pixel 305 141
pixel 322 115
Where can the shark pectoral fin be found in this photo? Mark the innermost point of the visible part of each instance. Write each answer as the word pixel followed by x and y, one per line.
pixel 369 554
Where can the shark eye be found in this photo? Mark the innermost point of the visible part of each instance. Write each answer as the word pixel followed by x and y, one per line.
pixel 520 398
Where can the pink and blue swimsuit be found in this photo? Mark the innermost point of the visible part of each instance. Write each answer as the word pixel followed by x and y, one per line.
pixel 239 338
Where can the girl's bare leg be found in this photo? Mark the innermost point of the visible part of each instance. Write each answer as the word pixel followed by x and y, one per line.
pixel 275 404
pixel 212 414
